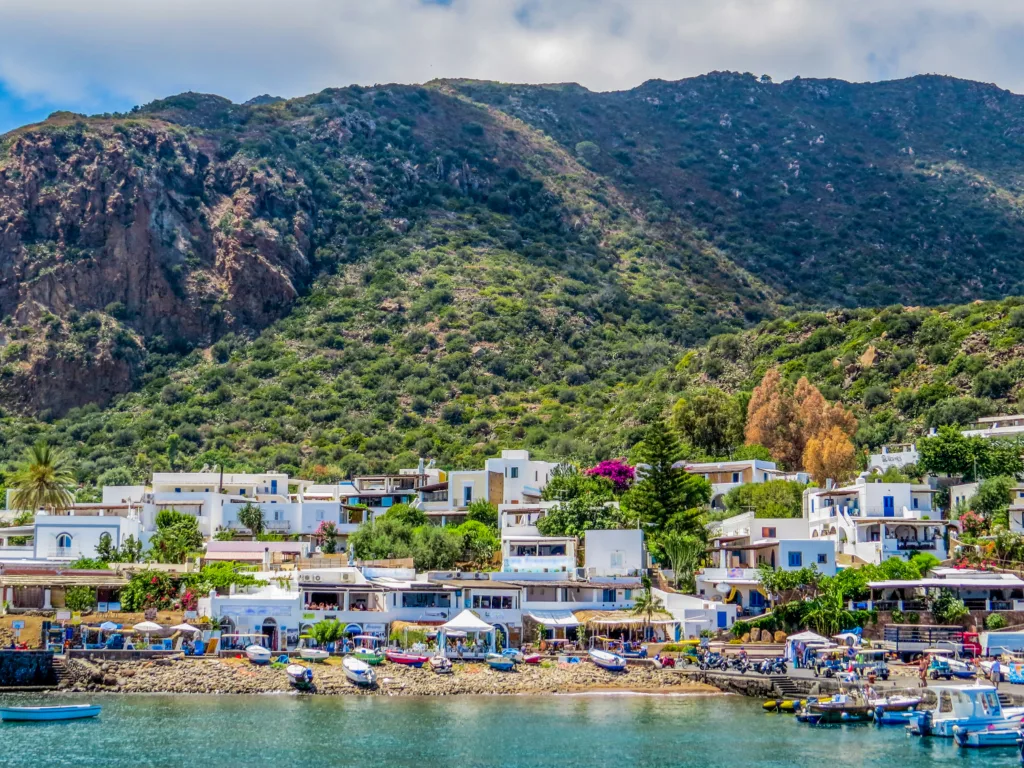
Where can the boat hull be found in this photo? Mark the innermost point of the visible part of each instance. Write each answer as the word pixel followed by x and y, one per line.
pixel 441 665
pixel 44 714
pixel 609 661
pixel 299 676
pixel 359 672
pixel 313 654
pixel 502 665
pixel 257 654
pixel 408 659
pixel 1004 737
pixel 369 657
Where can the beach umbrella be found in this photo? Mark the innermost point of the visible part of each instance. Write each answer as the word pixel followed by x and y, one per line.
pixel 147 628
pixel 108 626
pixel 185 628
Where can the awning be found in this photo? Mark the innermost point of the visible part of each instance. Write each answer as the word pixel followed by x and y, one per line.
pixel 467 621
pixel 63 580
pixel 623 618
pixel 554 618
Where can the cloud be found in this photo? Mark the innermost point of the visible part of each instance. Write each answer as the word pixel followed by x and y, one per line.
pixel 104 54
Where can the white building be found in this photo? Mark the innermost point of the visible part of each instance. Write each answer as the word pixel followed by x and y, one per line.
pixel 726 475
pixel 538 554
pixel 899 455
pixel 875 521
pixel 614 553
pixel 1008 425
pixel 72 534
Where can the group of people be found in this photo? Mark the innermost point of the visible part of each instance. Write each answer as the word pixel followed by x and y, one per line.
pixel 359 605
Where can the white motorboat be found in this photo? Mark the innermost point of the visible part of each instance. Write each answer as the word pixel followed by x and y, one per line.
pixel 257 654
pixel 313 654
pixel 966 708
pixel 990 737
pixel 40 714
pixel 896 703
pixel 359 672
pixel 299 676
pixel 441 665
pixel 608 660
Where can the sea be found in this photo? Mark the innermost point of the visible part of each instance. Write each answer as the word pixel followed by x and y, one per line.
pixel 585 731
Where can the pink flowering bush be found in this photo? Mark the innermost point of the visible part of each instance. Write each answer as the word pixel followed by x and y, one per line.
pixel 616 470
pixel 973 524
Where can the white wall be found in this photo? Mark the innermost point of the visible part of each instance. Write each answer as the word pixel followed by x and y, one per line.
pixel 810 551
pixel 85 533
pixel 614 553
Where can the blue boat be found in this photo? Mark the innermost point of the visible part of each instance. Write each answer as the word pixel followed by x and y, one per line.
pixel 499 662
pixel 40 714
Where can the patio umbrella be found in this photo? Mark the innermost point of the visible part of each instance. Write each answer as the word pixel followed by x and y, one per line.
pixel 185 628
pixel 108 626
pixel 147 628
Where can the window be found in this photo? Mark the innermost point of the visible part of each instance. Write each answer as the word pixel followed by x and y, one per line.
pixel 506 603
pixel 386 501
pixel 64 540
pixel 796 559
pixel 426 600
pixel 617 558
pixel 467 495
pixel 513 472
pixel 319 514
pixel 767 533
pixel 822 559
pixel 177 490
pixel 607 595
pixel 735 477
pixel 764 477
pixel 536 477
pixel 485 601
pixel 915 502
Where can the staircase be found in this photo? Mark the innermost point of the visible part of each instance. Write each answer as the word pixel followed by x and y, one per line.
pixel 785 686
pixel 60 671
pixel 1006 699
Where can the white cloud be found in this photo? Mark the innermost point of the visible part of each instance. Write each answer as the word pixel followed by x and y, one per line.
pixel 117 51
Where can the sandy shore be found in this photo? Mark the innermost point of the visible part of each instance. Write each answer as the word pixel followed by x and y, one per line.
pixel 236 676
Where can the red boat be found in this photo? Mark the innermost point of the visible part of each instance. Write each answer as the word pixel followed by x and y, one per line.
pixel 532 658
pixel 409 659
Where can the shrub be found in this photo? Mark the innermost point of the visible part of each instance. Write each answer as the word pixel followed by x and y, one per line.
pixel 80 598
pixel 995 621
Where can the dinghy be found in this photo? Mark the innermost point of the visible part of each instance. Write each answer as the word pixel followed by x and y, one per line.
pixel 299 676
pixel 990 737
pixel 37 714
pixel 607 660
pixel 532 658
pixel 257 654
pixel 441 665
pixel 396 656
pixel 313 654
pixel 359 672
pixel 367 649
pixel 499 662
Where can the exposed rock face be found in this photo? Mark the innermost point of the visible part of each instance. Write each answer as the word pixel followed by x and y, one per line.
pixel 146 229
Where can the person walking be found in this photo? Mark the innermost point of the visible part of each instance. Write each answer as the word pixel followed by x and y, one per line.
pixel 922 671
pixel 996 673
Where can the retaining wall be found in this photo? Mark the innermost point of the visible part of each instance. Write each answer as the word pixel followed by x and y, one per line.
pixel 26 668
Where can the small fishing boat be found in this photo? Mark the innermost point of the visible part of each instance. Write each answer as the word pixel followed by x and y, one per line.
pixel 836 711
pixel 299 676
pixel 513 653
pixel 896 703
pixel 532 658
pixel 359 672
pixel 39 714
pixel 396 656
pixel 904 718
pixel 313 654
pixel 967 708
pixel 257 654
pixel 368 649
pixel 440 665
pixel 499 662
pixel 607 660
pixel 990 737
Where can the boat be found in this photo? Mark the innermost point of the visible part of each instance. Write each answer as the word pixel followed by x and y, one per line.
pixel 499 662
pixel 635 653
pixel 313 654
pixel 840 709
pixel 440 665
pixel 513 653
pixel 896 703
pixel 257 654
pixel 904 718
pixel 532 658
pixel 359 672
pixel 784 705
pixel 39 714
pixel 607 660
pixel 368 650
pixel 396 656
pixel 990 737
pixel 299 676
pixel 968 708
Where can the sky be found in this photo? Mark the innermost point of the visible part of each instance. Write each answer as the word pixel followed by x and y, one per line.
pixel 95 56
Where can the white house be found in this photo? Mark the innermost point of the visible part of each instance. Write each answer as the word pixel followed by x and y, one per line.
pixel 697 614
pixel 899 455
pixel 875 521
pixel 538 554
pixel 726 475
pixel 614 553
pixel 72 534
pixel 1007 425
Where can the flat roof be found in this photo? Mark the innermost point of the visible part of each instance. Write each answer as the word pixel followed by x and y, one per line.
pixel 567 583
pixel 1011 583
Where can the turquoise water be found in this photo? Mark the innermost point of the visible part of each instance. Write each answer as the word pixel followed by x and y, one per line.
pixel 521 732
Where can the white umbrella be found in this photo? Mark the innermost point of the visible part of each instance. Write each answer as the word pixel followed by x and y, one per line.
pixel 108 626
pixel 147 628
pixel 185 628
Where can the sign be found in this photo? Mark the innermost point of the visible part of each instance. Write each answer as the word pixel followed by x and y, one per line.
pixel 76 618
pixel 102 607
pixel 20 624
pixel 114 607
pixel 63 616
pixel 373 629
pixel 309 616
pixel 191 615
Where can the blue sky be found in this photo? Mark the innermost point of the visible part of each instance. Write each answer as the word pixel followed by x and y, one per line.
pixel 107 55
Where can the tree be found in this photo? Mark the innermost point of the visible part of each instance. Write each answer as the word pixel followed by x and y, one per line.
pixel 105 549
pixel 827 612
pixel 992 499
pixel 685 553
pixel 479 543
pixel 666 496
pixel 774 499
pixel 616 471
pixel 949 452
pixel 173 443
pixel 709 420
pixel 773 421
pixel 406 515
pixel 482 511
pixel 327 537
pixel 328 631
pixel 947 608
pixel 177 536
pixel 436 549
pixel 251 516
pixel 787 586
pixel 830 455
pixel 646 604
pixel 817 415
pixel 586 503
pixel 80 598
pixel 42 480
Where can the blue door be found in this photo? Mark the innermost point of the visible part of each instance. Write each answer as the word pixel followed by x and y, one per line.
pixel 723 620
pixel 888 508
pixel 273 486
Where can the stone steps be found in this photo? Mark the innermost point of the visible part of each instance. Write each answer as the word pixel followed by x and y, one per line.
pixel 785 686
pixel 60 671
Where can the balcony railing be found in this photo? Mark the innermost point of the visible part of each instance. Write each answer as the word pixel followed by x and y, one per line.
pixel 917 545
pixel 68 552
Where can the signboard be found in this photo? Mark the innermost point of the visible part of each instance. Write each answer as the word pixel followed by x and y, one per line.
pixel 309 616
pixel 114 607
pixel 373 629
pixel 102 607
pixel 191 615
pixel 292 636
pixel 16 625
pixel 63 616
pixel 76 618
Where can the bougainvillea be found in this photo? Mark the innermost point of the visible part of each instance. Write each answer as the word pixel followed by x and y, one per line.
pixel 973 524
pixel 618 471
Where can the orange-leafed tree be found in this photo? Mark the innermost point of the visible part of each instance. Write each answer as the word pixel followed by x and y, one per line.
pixel 830 454
pixel 772 420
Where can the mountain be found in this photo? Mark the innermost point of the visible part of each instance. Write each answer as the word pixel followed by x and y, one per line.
pixel 352 279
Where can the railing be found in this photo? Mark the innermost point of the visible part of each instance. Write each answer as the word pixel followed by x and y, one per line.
pixel 887 605
pixel 916 545
pixel 1001 605
pixel 976 603
pixel 70 552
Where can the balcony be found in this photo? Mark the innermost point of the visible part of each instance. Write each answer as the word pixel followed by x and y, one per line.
pixel 728 574
pixel 538 564
pixel 64 553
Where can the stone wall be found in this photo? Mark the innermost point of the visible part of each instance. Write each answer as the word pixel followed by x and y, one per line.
pixel 26 668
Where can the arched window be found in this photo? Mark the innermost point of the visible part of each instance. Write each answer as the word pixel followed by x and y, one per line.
pixel 64 540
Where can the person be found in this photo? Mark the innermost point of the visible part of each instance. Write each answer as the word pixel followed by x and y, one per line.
pixel 922 671
pixel 996 673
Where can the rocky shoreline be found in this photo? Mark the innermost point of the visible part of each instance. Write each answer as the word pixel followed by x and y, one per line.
pixel 236 676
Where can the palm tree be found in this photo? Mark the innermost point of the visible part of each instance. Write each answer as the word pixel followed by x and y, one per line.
pixel 647 604
pixel 42 480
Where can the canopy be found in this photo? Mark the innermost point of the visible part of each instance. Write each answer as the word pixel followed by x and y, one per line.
pixel 185 628
pixel 554 618
pixel 622 618
pixel 807 637
pixel 148 626
pixel 467 621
